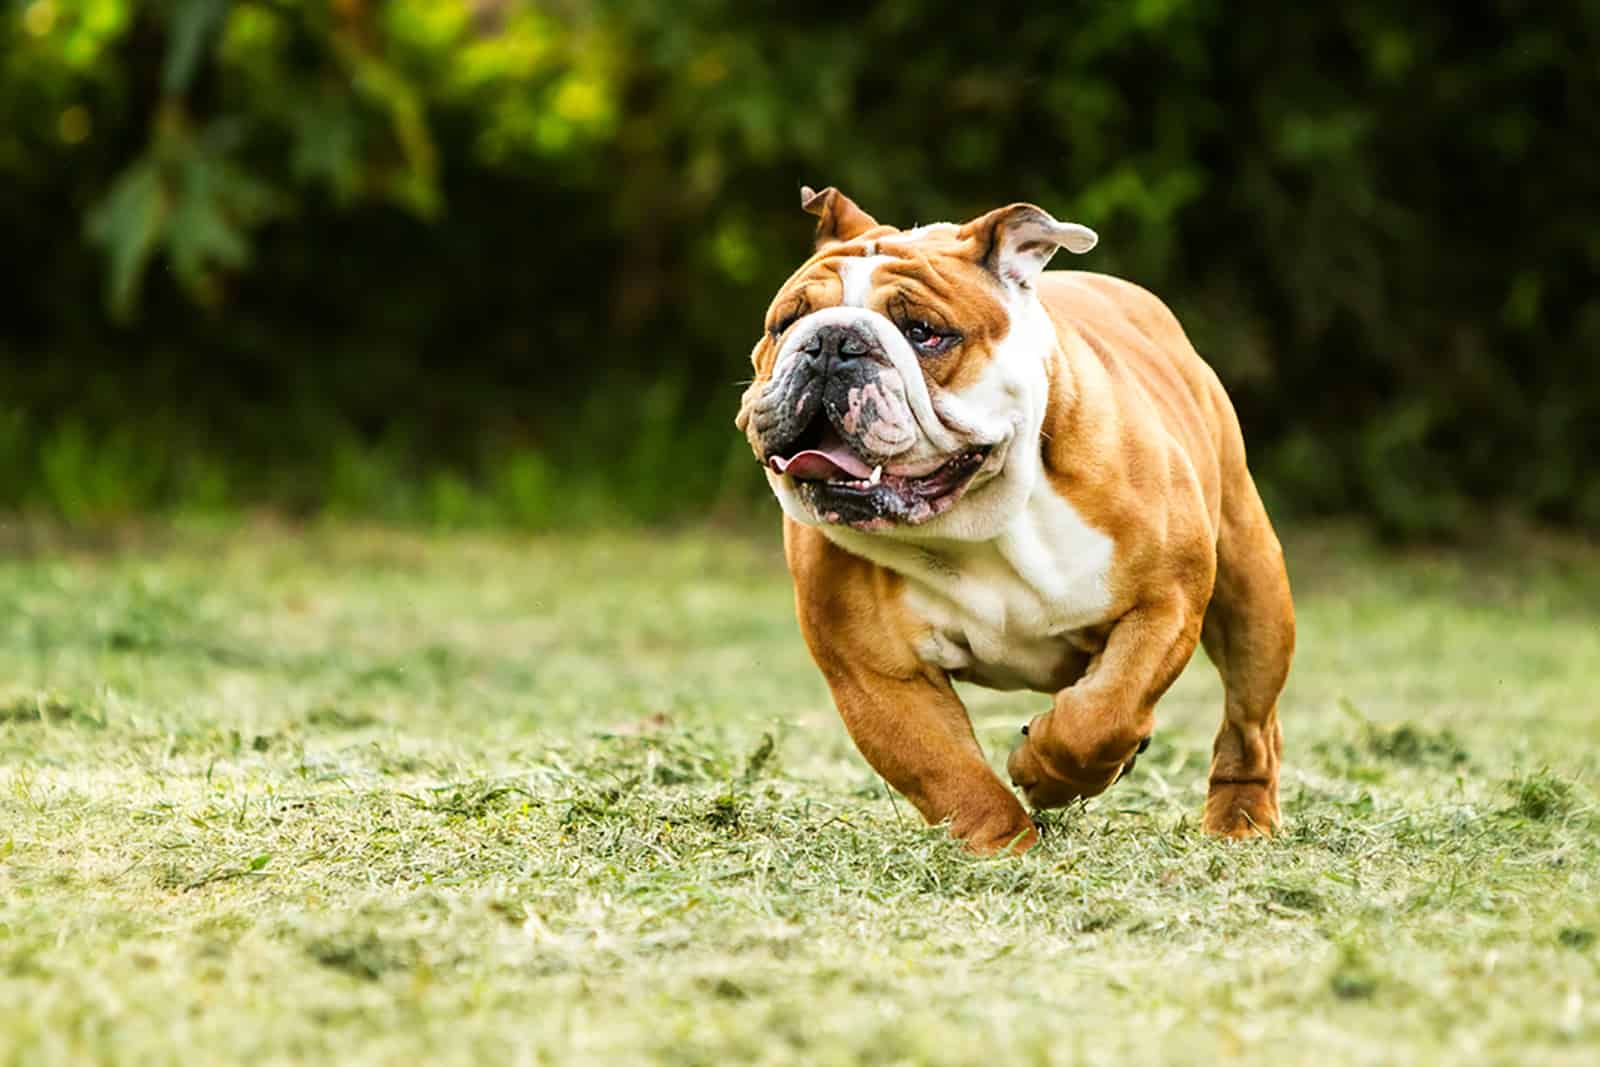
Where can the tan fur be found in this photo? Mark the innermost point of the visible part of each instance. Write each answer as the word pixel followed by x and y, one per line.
pixel 902 713
pixel 1142 441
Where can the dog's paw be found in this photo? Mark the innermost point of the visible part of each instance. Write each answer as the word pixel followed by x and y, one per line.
pixel 1052 779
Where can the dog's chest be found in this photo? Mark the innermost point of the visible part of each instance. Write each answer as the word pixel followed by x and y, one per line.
pixel 1020 611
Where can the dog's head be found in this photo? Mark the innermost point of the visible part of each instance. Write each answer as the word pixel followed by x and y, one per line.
pixel 901 380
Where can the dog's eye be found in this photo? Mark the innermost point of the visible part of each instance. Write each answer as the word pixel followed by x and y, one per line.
pixel 927 339
pixel 781 327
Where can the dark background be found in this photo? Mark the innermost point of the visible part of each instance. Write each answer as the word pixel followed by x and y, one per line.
pixel 489 261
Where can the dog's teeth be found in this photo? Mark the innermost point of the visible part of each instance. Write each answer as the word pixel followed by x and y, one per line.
pixel 877 475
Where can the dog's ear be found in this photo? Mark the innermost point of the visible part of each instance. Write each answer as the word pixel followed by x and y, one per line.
pixel 1016 242
pixel 838 217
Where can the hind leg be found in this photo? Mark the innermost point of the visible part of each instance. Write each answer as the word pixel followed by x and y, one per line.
pixel 1249 635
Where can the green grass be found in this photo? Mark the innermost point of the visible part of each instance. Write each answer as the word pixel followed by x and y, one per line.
pixel 272 794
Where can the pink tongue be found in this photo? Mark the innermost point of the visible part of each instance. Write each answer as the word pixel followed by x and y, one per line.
pixel 832 459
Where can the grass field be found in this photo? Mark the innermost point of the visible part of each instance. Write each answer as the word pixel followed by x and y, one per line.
pixel 343 795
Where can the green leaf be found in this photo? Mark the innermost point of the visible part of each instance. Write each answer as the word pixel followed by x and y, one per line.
pixel 327 146
pixel 185 196
pixel 193 23
pixel 127 225
pixel 216 202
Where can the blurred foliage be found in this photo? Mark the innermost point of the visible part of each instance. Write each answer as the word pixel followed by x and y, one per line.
pixel 495 260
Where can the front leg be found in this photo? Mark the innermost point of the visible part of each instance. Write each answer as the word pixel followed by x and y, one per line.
pixel 902 712
pixel 916 733
pixel 1096 726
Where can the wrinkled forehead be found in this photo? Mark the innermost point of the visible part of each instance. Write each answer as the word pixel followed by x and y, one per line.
pixel 933 265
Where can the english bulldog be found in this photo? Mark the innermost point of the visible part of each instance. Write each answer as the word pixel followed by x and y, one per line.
pixel 1022 479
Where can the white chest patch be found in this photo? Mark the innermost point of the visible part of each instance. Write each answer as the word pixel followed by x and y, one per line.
pixel 1004 613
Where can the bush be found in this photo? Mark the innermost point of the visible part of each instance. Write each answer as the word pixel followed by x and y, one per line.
pixel 400 257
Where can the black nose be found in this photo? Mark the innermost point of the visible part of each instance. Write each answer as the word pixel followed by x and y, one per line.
pixel 841 343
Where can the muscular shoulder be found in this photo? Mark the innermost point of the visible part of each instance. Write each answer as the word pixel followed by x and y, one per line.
pixel 1162 484
pixel 1132 329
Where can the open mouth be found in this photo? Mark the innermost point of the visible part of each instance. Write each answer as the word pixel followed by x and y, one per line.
pixel 843 487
